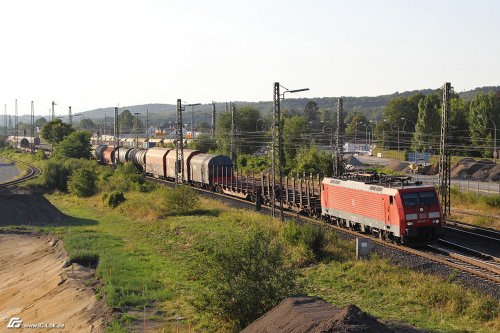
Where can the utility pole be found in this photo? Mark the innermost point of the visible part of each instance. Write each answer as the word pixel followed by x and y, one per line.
pixel 53 115
pixel 116 132
pixel 232 152
pixel 179 167
pixel 70 117
pixel 105 123
pixel 32 132
pixel 444 153
pixel 5 132
pixel 277 136
pixel 212 134
pixel 136 129
pixel 15 124
pixel 338 161
pixel 147 124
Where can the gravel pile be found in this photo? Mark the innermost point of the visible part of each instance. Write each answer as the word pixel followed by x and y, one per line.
pixel 304 314
pixel 470 169
pixel 397 166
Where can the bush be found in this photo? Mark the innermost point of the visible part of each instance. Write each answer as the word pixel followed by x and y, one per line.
pixel 181 200
pixel 55 176
pixel 40 155
pixel 82 182
pixel 312 239
pixel 125 178
pixel 113 199
pixel 56 173
pixel 245 278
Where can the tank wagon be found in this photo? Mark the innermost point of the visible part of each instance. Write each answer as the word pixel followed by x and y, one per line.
pixel 401 214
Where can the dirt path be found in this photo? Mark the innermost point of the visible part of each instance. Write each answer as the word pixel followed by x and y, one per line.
pixel 35 287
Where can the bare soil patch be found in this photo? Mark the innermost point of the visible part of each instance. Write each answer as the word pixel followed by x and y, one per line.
pixel 37 287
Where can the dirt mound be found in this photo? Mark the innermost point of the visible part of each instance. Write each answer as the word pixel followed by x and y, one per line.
pixel 397 166
pixel 351 319
pixel 304 314
pixel 23 207
pixel 354 162
pixel 469 168
pixel 495 173
pixel 430 170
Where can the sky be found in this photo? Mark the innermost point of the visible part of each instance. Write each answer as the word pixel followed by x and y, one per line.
pixel 100 53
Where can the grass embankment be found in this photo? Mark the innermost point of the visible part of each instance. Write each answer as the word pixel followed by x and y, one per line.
pixel 151 257
pixel 152 263
pixel 485 209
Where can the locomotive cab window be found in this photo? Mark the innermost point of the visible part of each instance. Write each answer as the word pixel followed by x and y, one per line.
pixel 391 199
pixel 419 198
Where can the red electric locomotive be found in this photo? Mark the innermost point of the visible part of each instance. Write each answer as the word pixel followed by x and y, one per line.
pixel 406 213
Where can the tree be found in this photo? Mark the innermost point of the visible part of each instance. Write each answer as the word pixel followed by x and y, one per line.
pixel 311 111
pixel 40 122
pixel 87 124
pixel 353 129
pixel 396 109
pixel 203 142
pixel 295 136
pixel 482 109
pixel 83 182
pixel 55 131
pixel 312 160
pixel 75 145
pixel 427 130
pixel 246 121
pixel 459 112
pixel 245 278
pixel 127 122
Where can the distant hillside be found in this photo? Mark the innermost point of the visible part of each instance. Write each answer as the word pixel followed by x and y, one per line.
pixel 372 107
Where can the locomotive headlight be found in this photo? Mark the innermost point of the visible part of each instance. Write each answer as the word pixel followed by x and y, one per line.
pixel 409 223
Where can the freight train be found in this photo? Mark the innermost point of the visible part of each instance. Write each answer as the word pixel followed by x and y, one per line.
pixel 391 208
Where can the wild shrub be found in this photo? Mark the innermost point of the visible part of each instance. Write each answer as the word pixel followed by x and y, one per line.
pixel 113 199
pixel 56 173
pixel 124 178
pixel 82 182
pixel 310 239
pixel 245 278
pixel 40 155
pixel 180 200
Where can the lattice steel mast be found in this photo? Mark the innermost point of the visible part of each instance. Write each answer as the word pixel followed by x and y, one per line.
pixel 444 153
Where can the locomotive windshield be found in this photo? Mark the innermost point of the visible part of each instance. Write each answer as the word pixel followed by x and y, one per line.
pixel 419 198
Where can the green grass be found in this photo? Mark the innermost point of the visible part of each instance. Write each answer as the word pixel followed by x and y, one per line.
pixel 401 295
pixel 153 263
pixel 148 257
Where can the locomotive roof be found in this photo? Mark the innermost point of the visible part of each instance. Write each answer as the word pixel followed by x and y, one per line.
pixel 373 187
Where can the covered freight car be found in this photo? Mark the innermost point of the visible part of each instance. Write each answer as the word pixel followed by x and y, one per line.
pixel 171 162
pixel 205 167
pixel 156 163
pixel 397 213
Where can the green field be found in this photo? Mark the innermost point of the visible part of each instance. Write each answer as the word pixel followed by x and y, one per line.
pixel 153 259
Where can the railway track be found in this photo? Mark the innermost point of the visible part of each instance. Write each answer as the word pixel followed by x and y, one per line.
pixel 481 264
pixel 33 172
pixel 486 234
pixel 477 267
